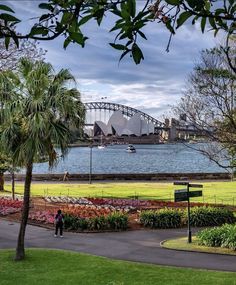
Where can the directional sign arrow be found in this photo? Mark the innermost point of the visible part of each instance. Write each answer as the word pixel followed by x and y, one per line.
pixel 196 185
pixel 195 193
pixel 181 191
pixel 181 183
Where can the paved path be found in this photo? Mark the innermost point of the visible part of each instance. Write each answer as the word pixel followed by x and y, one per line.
pixel 141 246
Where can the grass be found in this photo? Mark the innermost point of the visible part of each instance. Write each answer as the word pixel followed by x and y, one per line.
pixel 181 244
pixel 62 267
pixel 213 192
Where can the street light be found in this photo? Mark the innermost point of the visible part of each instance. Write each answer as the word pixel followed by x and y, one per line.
pixel 90 163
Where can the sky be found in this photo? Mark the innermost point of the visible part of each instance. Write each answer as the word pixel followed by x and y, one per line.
pixel 152 87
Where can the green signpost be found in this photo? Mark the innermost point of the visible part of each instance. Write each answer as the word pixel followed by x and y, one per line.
pixel 185 195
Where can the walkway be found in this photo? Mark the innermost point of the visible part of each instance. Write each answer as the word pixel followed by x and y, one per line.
pixel 141 246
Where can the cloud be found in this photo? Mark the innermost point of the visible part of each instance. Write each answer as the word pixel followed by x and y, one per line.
pixel 152 86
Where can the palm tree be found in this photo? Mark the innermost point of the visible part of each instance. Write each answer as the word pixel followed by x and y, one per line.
pixel 37 121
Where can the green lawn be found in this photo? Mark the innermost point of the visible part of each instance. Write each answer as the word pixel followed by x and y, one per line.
pixel 50 267
pixel 181 244
pixel 213 192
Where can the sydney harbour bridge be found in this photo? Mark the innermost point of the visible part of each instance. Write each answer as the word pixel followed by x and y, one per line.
pixel 102 111
pixel 126 110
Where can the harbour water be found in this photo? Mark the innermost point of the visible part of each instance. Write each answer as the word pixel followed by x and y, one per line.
pixel 163 158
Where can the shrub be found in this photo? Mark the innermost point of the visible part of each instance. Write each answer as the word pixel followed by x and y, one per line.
pixel 117 221
pixel 114 221
pixel 74 223
pixel 162 219
pixel 209 216
pixel 224 236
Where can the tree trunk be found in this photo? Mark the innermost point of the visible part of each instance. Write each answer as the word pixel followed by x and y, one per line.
pixel 13 185
pixel 20 249
pixel 1 181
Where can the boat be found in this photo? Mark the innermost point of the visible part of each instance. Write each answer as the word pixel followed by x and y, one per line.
pixel 101 145
pixel 131 149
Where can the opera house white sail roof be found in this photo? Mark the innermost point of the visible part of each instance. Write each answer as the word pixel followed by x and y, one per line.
pixel 120 126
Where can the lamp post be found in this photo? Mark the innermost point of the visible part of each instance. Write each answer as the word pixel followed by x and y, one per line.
pixel 90 163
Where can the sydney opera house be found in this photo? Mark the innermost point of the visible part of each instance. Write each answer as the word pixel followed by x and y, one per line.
pixel 120 126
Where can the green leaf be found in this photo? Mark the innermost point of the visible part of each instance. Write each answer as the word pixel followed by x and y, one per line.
pixel 203 24
pixel 142 35
pixel 169 27
pixel 137 53
pixel 212 22
pixel 8 18
pixel 78 38
pixel 125 14
pixel 194 3
pixel 66 42
pixel 38 31
pixel 7 42
pixel 99 15
pixel 216 31
pixel 173 2
pixel 194 20
pixel 183 17
pixel 6 8
pixel 117 26
pixel 208 5
pixel 141 15
pixel 44 17
pixel 219 11
pixel 118 46
pixel 16 40
pixel 124 54
pixel 46 6
pixel 132 7
pixel 67 17
pixel 85 20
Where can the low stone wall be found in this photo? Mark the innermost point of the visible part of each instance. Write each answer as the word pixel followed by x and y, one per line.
pixel 128 176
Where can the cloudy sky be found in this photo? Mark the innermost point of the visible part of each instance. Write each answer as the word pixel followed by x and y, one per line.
pixel 152 87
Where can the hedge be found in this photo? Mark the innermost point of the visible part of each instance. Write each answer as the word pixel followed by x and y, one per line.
pixel 174 218
pixel 161 219
pixel 115 221
pixel 209 216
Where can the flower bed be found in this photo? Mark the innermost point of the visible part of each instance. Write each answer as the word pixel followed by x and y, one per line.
pixel 120 202
pixel 46 217
pixel 88 211
pixel 67 200
pixel 8 202
pixel 110 221
pixel 9 206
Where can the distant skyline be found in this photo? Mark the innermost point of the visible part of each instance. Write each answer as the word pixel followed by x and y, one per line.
pixel 152 87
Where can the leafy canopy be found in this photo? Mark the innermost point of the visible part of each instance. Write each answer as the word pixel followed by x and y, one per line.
pixel 67 17
pixel 36 118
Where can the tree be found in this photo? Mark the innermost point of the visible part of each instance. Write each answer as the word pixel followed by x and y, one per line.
pixel 5 165
pixel 36 121
pixel 67 17
pixel 210 104
pixel 9 58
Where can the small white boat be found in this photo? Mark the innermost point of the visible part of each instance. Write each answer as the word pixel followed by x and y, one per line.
pixel 101 146
pixel 131 149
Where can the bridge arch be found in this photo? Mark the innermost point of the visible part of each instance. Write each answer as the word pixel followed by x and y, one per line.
pixel 126 110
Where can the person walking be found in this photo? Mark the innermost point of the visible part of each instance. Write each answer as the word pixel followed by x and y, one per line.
pixel 59 222
pixel 66 176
